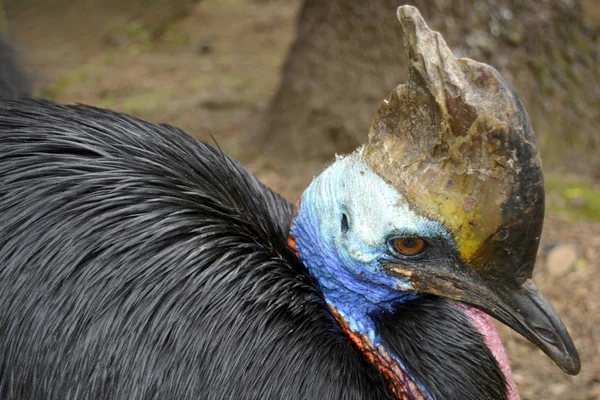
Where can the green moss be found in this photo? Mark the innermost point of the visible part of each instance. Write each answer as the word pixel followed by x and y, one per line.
pixel 142 103
pixel 236 84
pixel 234 151
pixel 175 38
pixel 201 82
pixel 541 72
pixel 597 104
pixel 138 32
pixel 109 101
pixel 581 264
pixel 110 59
pixel 247 90
pixel 572 198
pixel 55 89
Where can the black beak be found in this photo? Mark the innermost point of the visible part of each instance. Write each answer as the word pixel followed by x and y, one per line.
pixel 523 308
pixel 527 311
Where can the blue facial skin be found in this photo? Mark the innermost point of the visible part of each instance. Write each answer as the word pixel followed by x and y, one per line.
pixel 345 258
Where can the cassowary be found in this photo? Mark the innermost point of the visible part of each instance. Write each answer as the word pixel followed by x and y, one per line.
pixel 139 263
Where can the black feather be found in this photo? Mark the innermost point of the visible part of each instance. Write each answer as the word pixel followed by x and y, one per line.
pixel 139 263
pixel 454 364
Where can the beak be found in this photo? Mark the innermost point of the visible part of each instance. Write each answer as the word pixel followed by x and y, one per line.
pixel 526 311
pixel 523 308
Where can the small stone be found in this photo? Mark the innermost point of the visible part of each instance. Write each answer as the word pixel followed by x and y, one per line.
pixel 519 378
pixel 558 388
pixel 561 259
pixel 205 47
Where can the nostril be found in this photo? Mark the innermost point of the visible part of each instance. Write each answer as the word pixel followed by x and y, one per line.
pixel 545 334
pixel 344 223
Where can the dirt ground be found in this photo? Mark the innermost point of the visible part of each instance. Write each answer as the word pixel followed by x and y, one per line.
pixel 211 67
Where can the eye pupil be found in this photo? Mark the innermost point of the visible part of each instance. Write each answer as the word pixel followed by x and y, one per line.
pixel 409 246
pixel 409 243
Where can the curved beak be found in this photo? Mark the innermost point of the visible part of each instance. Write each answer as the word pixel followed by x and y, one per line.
pixel 523 308
pixel 526 311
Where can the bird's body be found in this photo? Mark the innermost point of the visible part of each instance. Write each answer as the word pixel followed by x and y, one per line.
pixel 140 263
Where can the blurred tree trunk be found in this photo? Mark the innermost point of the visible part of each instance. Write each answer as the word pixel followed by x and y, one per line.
pixel 3 18
pixel 349 55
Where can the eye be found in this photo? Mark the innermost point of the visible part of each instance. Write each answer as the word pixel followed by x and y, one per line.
pixel 344 223
pixel 408 246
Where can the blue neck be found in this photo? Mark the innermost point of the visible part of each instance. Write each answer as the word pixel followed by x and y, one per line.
pixel 347 262
pixel 357 299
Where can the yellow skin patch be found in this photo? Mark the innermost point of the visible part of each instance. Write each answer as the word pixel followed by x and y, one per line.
pixel 462 181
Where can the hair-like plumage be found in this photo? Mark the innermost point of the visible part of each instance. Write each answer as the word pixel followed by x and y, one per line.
pixel 139 263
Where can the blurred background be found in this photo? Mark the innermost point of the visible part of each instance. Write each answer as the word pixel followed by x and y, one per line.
pixel 282 85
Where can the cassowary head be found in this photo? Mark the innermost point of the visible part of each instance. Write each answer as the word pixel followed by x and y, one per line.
pixel 446 198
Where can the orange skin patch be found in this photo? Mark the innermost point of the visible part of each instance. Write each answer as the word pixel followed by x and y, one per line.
pixel 376 356
pixel 398 381
pixel 291 242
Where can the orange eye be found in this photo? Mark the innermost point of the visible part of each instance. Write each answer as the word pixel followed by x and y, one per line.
pixel 409 246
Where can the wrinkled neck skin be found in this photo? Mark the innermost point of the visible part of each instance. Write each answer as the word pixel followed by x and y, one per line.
pixel 346 262
pixel 345 259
